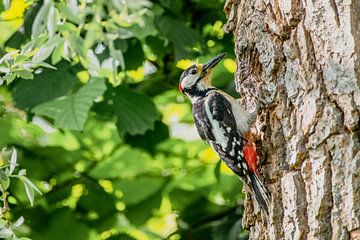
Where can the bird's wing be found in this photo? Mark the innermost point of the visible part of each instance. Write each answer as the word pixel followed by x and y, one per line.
pixel 228 140
pixel 202 122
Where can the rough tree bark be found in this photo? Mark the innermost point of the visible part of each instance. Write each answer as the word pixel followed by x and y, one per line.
pixel 304 56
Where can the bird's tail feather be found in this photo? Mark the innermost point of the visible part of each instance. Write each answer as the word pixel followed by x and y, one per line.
pixel 262 195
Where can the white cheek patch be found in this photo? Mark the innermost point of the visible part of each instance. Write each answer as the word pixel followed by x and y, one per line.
pixel 188 81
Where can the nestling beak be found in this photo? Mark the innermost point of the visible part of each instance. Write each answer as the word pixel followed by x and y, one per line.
pixel 212 63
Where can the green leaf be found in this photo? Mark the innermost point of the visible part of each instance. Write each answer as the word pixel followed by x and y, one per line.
pixel 142 32
pixel 48 85
pixel 18 222
pixel 199 211
pixel 39 20
pixel 58 195
pixel 92 34
pixel 138 189
pixel 217 227
pixel 58 52
pixel 59 225
pixel 68 13
pixel 181 198
pixel 44 64
pixel 67 26
pixel 71 112
pixel 46 49
pixel 2 223
pixel 97 199
pixel 5 233
pixel 52 20
pixel 4 180
pixel 125 162
pixel 29 188
pixel 134 56
pixel 183 38
pixel 135 112
pixel 24 73
pixel 77 44
pixel 151 138
pixel 121 237
pixel 143 211
pixel 157 46
pixel 22 172
pixel 13 161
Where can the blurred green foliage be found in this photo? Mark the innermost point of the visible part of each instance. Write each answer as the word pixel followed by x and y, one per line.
pixel 89 99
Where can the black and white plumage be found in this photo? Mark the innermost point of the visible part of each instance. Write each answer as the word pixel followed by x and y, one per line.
pixel 216 125
pixel 224 124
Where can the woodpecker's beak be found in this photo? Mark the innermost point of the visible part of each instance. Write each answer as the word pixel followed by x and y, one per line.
pixel 212 63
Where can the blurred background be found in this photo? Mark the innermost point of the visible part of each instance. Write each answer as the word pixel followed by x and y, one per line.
pixel 89 101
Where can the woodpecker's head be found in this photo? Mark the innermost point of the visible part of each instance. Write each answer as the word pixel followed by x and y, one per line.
pixel 195 80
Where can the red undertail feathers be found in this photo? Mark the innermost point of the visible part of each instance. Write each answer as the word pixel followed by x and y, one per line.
pixel 250 153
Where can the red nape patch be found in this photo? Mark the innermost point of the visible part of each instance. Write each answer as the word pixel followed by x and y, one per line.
pixel 180 88
pixel 250 154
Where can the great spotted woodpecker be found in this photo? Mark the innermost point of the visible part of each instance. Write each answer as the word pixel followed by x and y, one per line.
pixel 225 125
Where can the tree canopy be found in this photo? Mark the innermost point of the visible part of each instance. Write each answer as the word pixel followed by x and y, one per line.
pixel 89 106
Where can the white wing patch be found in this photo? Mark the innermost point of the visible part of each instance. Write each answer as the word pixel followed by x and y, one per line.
pixel 218 132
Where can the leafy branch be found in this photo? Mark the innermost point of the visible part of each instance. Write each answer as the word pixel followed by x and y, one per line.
pixel 6 173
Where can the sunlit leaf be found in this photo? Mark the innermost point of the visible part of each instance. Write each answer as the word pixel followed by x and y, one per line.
pixel 225 169
pixel 184 63
pixel 230 65
pixel 208 155
pixel 15 10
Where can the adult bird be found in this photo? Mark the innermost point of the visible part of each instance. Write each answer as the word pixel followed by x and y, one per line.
pixel 225 125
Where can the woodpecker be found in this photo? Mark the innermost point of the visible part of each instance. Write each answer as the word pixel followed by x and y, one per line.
pixel 225 125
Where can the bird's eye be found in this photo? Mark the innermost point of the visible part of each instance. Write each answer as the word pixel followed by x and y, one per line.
pixel 193 71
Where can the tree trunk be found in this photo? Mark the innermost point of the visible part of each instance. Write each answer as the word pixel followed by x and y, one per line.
pixel 304 57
